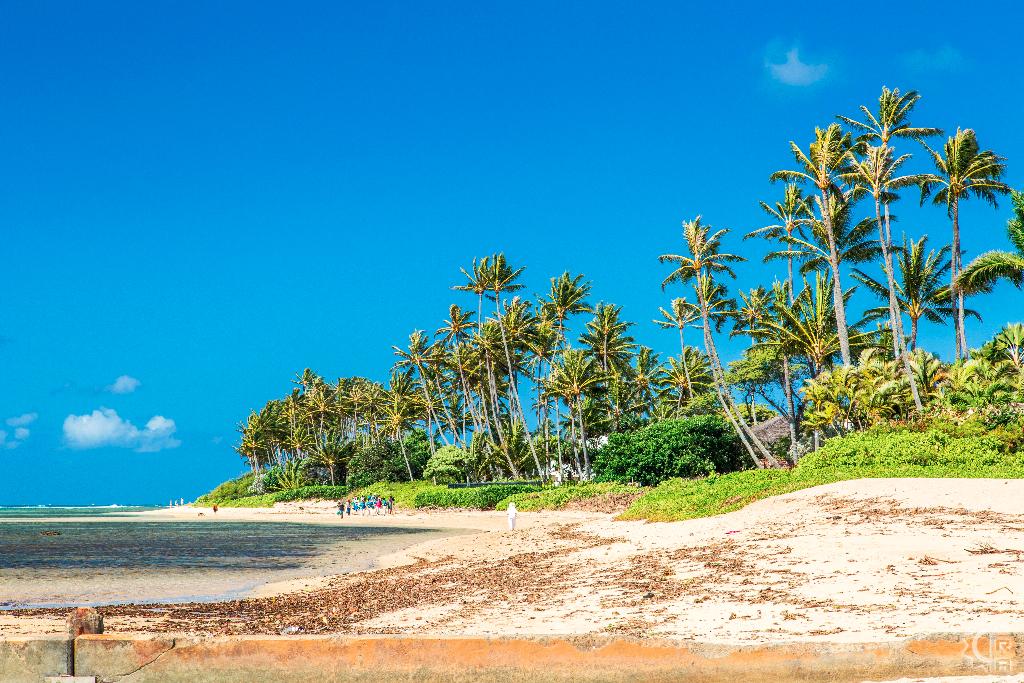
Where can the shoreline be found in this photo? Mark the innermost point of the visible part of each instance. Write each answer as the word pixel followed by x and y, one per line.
pixel 865 561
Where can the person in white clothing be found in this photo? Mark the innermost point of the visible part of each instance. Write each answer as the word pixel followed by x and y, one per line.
pixel 511 516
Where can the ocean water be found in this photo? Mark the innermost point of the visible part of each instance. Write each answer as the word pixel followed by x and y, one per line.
pixel 63 557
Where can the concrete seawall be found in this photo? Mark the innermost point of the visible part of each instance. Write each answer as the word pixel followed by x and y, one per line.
pixel 604 659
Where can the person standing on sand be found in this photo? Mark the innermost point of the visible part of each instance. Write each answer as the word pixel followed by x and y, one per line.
pixel 391 505
pixel 214 508
pixel 511 516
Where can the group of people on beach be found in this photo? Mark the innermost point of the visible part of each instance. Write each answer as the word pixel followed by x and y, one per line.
pixel 367 505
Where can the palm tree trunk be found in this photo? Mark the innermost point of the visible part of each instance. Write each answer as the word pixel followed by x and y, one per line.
pixel 790 408
pixel 718 379
pixel 837 285
pixel 686 366
pixel 583 438
pixel 895 314
pixel 956 298
pixel 913 334
pixel 405 455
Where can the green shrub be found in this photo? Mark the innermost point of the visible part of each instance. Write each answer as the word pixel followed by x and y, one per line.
pixel 691 447
pixel 447 465
pixel 557 497
pixel 384 461
pixel 877 453
pixel 884 447
pixel 229 490
pixel 479 497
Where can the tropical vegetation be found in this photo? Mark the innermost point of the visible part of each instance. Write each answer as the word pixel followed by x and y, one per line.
pixel 553 387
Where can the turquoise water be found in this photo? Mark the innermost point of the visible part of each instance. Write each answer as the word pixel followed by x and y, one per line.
pixel 43 511
pixel 60 557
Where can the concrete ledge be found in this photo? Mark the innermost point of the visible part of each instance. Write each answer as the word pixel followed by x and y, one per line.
pixel 33 658
pixel 482 660
pixel 597 659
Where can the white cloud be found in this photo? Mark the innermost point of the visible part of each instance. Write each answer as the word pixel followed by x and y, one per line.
pixel 943 58
pixel 125 384
pixel 105 428
pixel 20 431
pixel 22 420
pixel 796 72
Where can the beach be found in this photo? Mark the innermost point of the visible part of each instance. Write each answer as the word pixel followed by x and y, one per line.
pixel 855 561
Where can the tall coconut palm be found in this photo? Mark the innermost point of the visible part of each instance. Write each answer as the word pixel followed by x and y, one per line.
pixel 402 410
pixel 606 338
pixel 567 297
pixel 827 159
pixel 684 376
pixel 853 241
pixel 877 175
pixel 704 261
pixel 478 281
pixel 807 328
pixel 920 289
pixel 962 169
pixel 418 356
pixel 983 272
pixel 792 213
pixel 748 315
pixel 682 315
pixel 573 376
pixel 453 334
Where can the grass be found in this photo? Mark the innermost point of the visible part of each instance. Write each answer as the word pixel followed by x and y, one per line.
pixel 404 492
pixel 679 499
pixel 558 497
pixel 872 454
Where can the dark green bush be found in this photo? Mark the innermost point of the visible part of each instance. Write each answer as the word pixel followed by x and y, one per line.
pixel 691 447
pixel 479 498
pixel 384 462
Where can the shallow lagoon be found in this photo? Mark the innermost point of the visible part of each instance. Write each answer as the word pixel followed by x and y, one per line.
pixel 63 557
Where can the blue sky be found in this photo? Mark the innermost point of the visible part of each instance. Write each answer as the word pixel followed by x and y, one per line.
pixel 208 197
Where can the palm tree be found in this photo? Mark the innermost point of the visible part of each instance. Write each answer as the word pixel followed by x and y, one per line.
pixel 808 327
pixel 827 159
pixel 572 377
pixel 920 291
pixel 453 334
pixel 567 297
pixel 962 170
pixel 418 356
pixel 478 280
pixel 684 376
pixel 983 272
pixel 748 316
pixel 853 242
pixel 876 173
pixel 401 410
pixel 606 339
pixel 682 315
pixel 792 213
pixel 704 261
